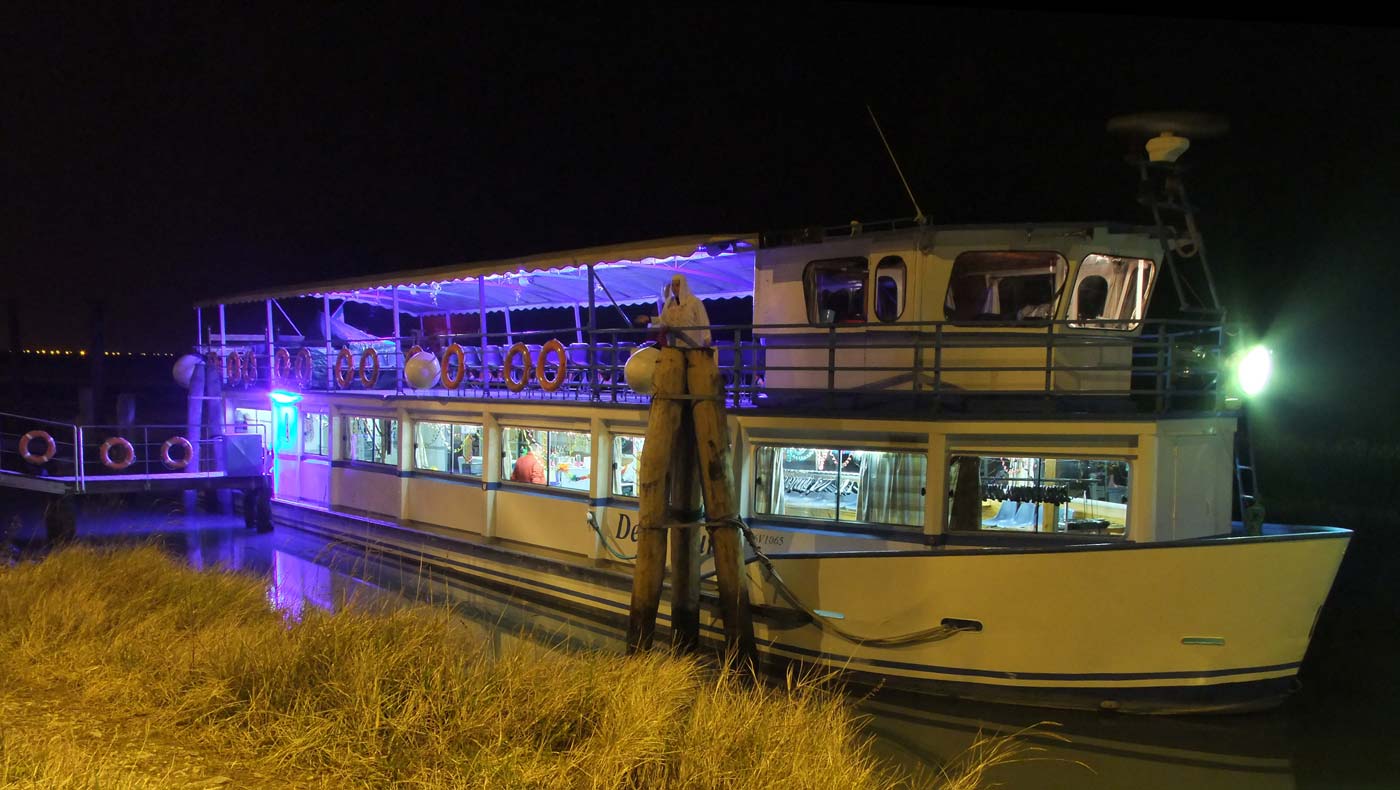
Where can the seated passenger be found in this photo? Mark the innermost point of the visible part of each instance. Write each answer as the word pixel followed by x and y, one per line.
pixel 1033 311
pixel 529 468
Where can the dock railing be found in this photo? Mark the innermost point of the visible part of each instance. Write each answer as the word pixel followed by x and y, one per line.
pixel 1161 365
pixel 84 453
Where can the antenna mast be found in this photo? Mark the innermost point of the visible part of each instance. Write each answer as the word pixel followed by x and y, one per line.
pixel 918 212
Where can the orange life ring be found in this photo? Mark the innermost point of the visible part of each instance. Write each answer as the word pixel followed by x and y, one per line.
pixel 369 360
pixel 506 367
pixel 250 367
pixel 105 453
pixel 283 364
pixel 302 367
pixel 173 463
pixel 344 368
pixel 454 381
pixel 233 368
pixel 37 435
pixel 546 383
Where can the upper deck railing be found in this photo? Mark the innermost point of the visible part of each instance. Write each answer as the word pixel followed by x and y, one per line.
pixel 1169 366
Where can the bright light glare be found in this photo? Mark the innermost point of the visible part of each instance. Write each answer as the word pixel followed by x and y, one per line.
pixel 1255 369
pixel 278 396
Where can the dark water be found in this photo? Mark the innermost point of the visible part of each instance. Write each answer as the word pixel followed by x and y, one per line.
pixel 1336 733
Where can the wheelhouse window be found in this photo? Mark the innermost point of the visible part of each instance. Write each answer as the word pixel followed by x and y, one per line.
pixel 447 447
pixel 315 433
pixel 559 459
pixel 845 486
pixel 372 440
pixel 835 290
pixel 1087 496
pixel 890 276
pixel 1111 292
pixel 627 461
pixel 1004 286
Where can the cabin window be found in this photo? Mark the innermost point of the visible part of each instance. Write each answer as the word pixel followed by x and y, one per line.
pixel 559 459
pixel 845 486
pixel 1087 496
pixel 1112 292
pixel 627 462
pixel 447 447
pixel 372 440
pixel 1004 286
pixel 889 288
pixel 835 291
pixel 316 433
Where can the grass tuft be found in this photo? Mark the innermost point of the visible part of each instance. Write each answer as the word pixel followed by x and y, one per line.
pixel 127 669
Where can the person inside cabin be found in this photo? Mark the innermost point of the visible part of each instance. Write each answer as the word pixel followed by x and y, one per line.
pixel 1039 300
pixel 528 467
pixel 1092 295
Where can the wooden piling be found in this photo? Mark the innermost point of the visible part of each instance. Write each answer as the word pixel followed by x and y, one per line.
pixel 717 482
pixel 663 425
pixel 685 542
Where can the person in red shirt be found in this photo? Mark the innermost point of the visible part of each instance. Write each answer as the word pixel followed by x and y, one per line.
pixel 529 468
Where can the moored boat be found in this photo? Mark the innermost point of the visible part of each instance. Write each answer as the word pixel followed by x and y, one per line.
pixel 971 460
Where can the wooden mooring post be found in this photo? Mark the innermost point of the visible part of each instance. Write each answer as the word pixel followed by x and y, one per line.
pixel 687 432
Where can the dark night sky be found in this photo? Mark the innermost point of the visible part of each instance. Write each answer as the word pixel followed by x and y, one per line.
pixel 154 155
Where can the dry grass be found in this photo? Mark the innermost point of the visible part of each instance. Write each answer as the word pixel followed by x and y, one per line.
pixel 125 669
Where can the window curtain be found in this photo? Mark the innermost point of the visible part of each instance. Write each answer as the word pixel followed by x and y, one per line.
pixel 890 486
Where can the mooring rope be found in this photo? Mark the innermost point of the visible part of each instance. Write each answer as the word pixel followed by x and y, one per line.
pixel 935 634
pixel 607 544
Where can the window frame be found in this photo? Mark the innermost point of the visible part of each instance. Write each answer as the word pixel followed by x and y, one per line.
pixel 902 285
pixel 809 291
pixel 836 521
pixel 1118 323
pixel 481 433
pixel 1060 275
pixel 508 467
pixel 347 438
pixel 1042 456
pixel 614 469
pixel 325 434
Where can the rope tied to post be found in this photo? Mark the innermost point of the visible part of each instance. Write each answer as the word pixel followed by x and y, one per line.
pixel 935 634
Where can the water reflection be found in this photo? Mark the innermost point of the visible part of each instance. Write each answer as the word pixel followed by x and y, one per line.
pixel 1103 751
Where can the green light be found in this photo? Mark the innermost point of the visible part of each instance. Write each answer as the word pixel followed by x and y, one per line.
pixel 1254 370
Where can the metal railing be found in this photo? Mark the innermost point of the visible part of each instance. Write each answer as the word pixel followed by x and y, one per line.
pixel 1166 365
pixel 82 453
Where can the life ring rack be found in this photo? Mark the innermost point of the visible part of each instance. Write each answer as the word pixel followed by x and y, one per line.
pixel 176 464
pixel 37 435
pixel 521 351
pixel 104 453
pixel 560 370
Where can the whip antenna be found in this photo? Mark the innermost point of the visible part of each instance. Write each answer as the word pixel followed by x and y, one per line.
pixel 918 212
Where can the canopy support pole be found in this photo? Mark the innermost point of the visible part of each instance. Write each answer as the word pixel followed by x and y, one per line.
pixel 510 339
pixel 398 341
pixel 223 334
pixel 481 327
pixel 199 326
pixel 271 347
pixel 592 334
pixel 330 360
pixel 578 322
